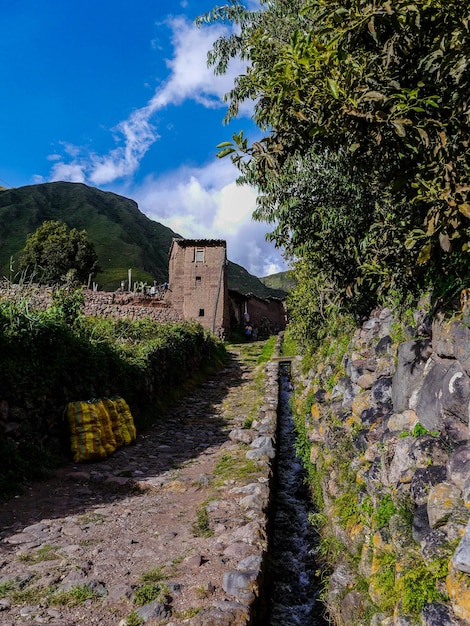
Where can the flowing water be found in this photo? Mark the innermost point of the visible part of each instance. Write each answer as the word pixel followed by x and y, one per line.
pixel 292 571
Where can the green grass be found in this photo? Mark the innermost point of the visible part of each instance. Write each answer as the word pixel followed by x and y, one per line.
pixel 155 575
pixel 6 587
pixel 150 592
pixel 234 467
pixel 44 553
pixel 289 345
pixel 74 597
pixel 134 619
pixel 267 350
pixel 202 527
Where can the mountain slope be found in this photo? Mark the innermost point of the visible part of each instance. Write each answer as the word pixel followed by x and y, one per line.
pixel 122 235
pixel 284 281
pixel 240 280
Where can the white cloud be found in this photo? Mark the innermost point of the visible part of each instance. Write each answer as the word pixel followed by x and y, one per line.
pixel 71 172
pixel 206 202
pixel 199 202
pixel 189 78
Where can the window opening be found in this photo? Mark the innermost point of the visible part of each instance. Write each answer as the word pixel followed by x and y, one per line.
pixel 201 312
pixel 199 255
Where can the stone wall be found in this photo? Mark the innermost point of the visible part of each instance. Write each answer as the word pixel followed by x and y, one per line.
pixel 135 306
pixel 389 442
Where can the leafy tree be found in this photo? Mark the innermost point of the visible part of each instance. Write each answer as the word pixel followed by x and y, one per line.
pixel 56 254
pixel 379 88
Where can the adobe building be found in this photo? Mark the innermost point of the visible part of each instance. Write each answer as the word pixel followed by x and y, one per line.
pixel 198 282
pixel 267 315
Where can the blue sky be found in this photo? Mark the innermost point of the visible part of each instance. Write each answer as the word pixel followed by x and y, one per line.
pixel 117 94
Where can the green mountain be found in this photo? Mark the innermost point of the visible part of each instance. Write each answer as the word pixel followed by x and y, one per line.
pixel 284 281
pixel 122 235
pixel 240 280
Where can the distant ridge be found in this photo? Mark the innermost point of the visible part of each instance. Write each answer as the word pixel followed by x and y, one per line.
pixel 122 235
pixel 283 281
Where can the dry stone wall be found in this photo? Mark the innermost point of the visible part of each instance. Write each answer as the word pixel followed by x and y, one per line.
pixel 117 305
pixel 389 440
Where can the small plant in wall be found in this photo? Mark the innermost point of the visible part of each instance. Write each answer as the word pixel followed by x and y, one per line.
pixel 384 511
pixel 418 431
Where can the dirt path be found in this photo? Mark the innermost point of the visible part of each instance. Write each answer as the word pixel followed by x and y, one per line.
pixel 155 524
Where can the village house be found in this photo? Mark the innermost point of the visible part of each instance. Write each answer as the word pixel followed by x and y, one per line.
pixel 198 290
pixel 198 282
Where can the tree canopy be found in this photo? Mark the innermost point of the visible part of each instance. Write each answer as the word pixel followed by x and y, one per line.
pixel 54 254
pixel 364 109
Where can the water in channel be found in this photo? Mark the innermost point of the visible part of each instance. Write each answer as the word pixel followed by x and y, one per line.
pixel 292 570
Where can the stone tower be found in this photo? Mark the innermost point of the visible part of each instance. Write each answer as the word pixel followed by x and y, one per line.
pixel 198 282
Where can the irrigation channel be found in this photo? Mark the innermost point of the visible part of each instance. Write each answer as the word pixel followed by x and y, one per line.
pixel 292 570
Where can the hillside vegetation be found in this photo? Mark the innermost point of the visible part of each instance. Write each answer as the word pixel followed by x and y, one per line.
pixel 284 281
pixel 53 357
pixel 363 163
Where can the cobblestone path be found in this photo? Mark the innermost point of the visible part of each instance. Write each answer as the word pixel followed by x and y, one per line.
pixel 97 541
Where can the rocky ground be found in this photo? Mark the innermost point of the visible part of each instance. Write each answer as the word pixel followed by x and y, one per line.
pixel 149 534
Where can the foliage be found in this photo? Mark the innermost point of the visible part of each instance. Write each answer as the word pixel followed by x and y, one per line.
pixel 364 162
pixel 56 254
pixel 418 586
pixel 384 580
pixel 68 304
pixel 53 357
pixel 418 431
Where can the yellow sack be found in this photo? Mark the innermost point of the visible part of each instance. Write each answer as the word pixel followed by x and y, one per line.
pixel 85 432
pixel 115 420
pixel 98 428
pixel 108 440
pixel 126 421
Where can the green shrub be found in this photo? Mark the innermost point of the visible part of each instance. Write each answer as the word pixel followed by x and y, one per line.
pixel 50 358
